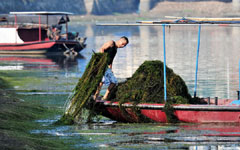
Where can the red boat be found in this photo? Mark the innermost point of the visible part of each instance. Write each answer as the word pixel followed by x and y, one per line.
pixel 222 113
pixel 226 111
pixel 25 38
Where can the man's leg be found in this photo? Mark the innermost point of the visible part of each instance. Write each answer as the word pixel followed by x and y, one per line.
pixel 110 87
pixel 98 91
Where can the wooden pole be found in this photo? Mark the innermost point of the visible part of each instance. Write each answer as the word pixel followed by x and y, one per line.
pixel 204 19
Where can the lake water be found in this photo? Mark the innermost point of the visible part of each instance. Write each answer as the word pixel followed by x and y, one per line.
pixel 49 81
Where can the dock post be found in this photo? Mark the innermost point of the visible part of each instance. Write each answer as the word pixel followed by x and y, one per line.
pixel 208 100
pixel 164 67
pixel 216 100
pixel 195 86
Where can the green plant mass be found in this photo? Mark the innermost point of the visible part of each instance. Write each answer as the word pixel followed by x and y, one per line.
pixel 17 119
pixel 87 85
pixel 146 85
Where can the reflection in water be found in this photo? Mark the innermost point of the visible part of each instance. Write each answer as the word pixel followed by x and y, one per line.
pixel 28 62
pixel 151 136
pixel 189 136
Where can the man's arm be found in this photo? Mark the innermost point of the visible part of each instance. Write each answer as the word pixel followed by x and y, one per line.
pixel 106 46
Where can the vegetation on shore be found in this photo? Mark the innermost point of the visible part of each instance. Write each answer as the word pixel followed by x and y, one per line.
pixel 17 120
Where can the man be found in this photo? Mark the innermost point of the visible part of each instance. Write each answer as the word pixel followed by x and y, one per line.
pixel 109 79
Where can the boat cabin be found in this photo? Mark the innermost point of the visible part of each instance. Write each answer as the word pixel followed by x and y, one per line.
pixel 25 36
pixel 28 32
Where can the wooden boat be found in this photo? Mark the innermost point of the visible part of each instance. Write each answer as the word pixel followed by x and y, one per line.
pixel 222 113
pixel 38 39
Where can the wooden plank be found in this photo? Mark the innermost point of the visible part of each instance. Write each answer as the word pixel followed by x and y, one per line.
pixel 204 19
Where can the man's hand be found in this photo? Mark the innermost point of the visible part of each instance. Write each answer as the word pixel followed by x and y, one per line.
pixel 110 66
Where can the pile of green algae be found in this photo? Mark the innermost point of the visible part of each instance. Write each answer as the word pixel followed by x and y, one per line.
pixel 147 86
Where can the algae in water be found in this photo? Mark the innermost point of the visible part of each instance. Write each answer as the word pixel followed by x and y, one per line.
pixel 87 86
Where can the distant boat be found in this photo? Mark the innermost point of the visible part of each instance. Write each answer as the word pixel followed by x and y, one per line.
pixel 29 38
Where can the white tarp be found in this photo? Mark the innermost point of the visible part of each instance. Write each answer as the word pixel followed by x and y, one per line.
pixel 9 35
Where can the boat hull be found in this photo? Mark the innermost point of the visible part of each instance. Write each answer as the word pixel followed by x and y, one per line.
pixel 155 113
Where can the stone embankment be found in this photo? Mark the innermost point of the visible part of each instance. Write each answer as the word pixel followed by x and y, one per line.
pixel 114 7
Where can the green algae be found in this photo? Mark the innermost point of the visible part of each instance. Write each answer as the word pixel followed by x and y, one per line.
pixel 146 86
pixel 17 119
pixel 20 77
pixel 86 87
pixel 37 81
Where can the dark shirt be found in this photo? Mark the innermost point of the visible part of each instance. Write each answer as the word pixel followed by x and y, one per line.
pixel 111 53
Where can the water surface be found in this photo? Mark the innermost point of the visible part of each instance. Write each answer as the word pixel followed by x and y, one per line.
pixel 49 80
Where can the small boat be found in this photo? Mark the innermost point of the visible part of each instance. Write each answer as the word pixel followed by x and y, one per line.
pixel 205 113
pixel 29 38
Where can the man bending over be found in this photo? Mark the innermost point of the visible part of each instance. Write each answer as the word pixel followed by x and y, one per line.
pixel 109 79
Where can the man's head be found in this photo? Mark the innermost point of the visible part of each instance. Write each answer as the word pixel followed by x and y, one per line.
pixel 122 42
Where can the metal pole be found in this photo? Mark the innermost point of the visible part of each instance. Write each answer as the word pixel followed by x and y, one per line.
pixel 195 86
pixel 239 82
pixel 216 100
pixel 47 21
pixel 208 100
pixel 66 28
pixel 16 28
pixel 15 20
pixel 238 95
pixel 39 32
pixel 164 67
